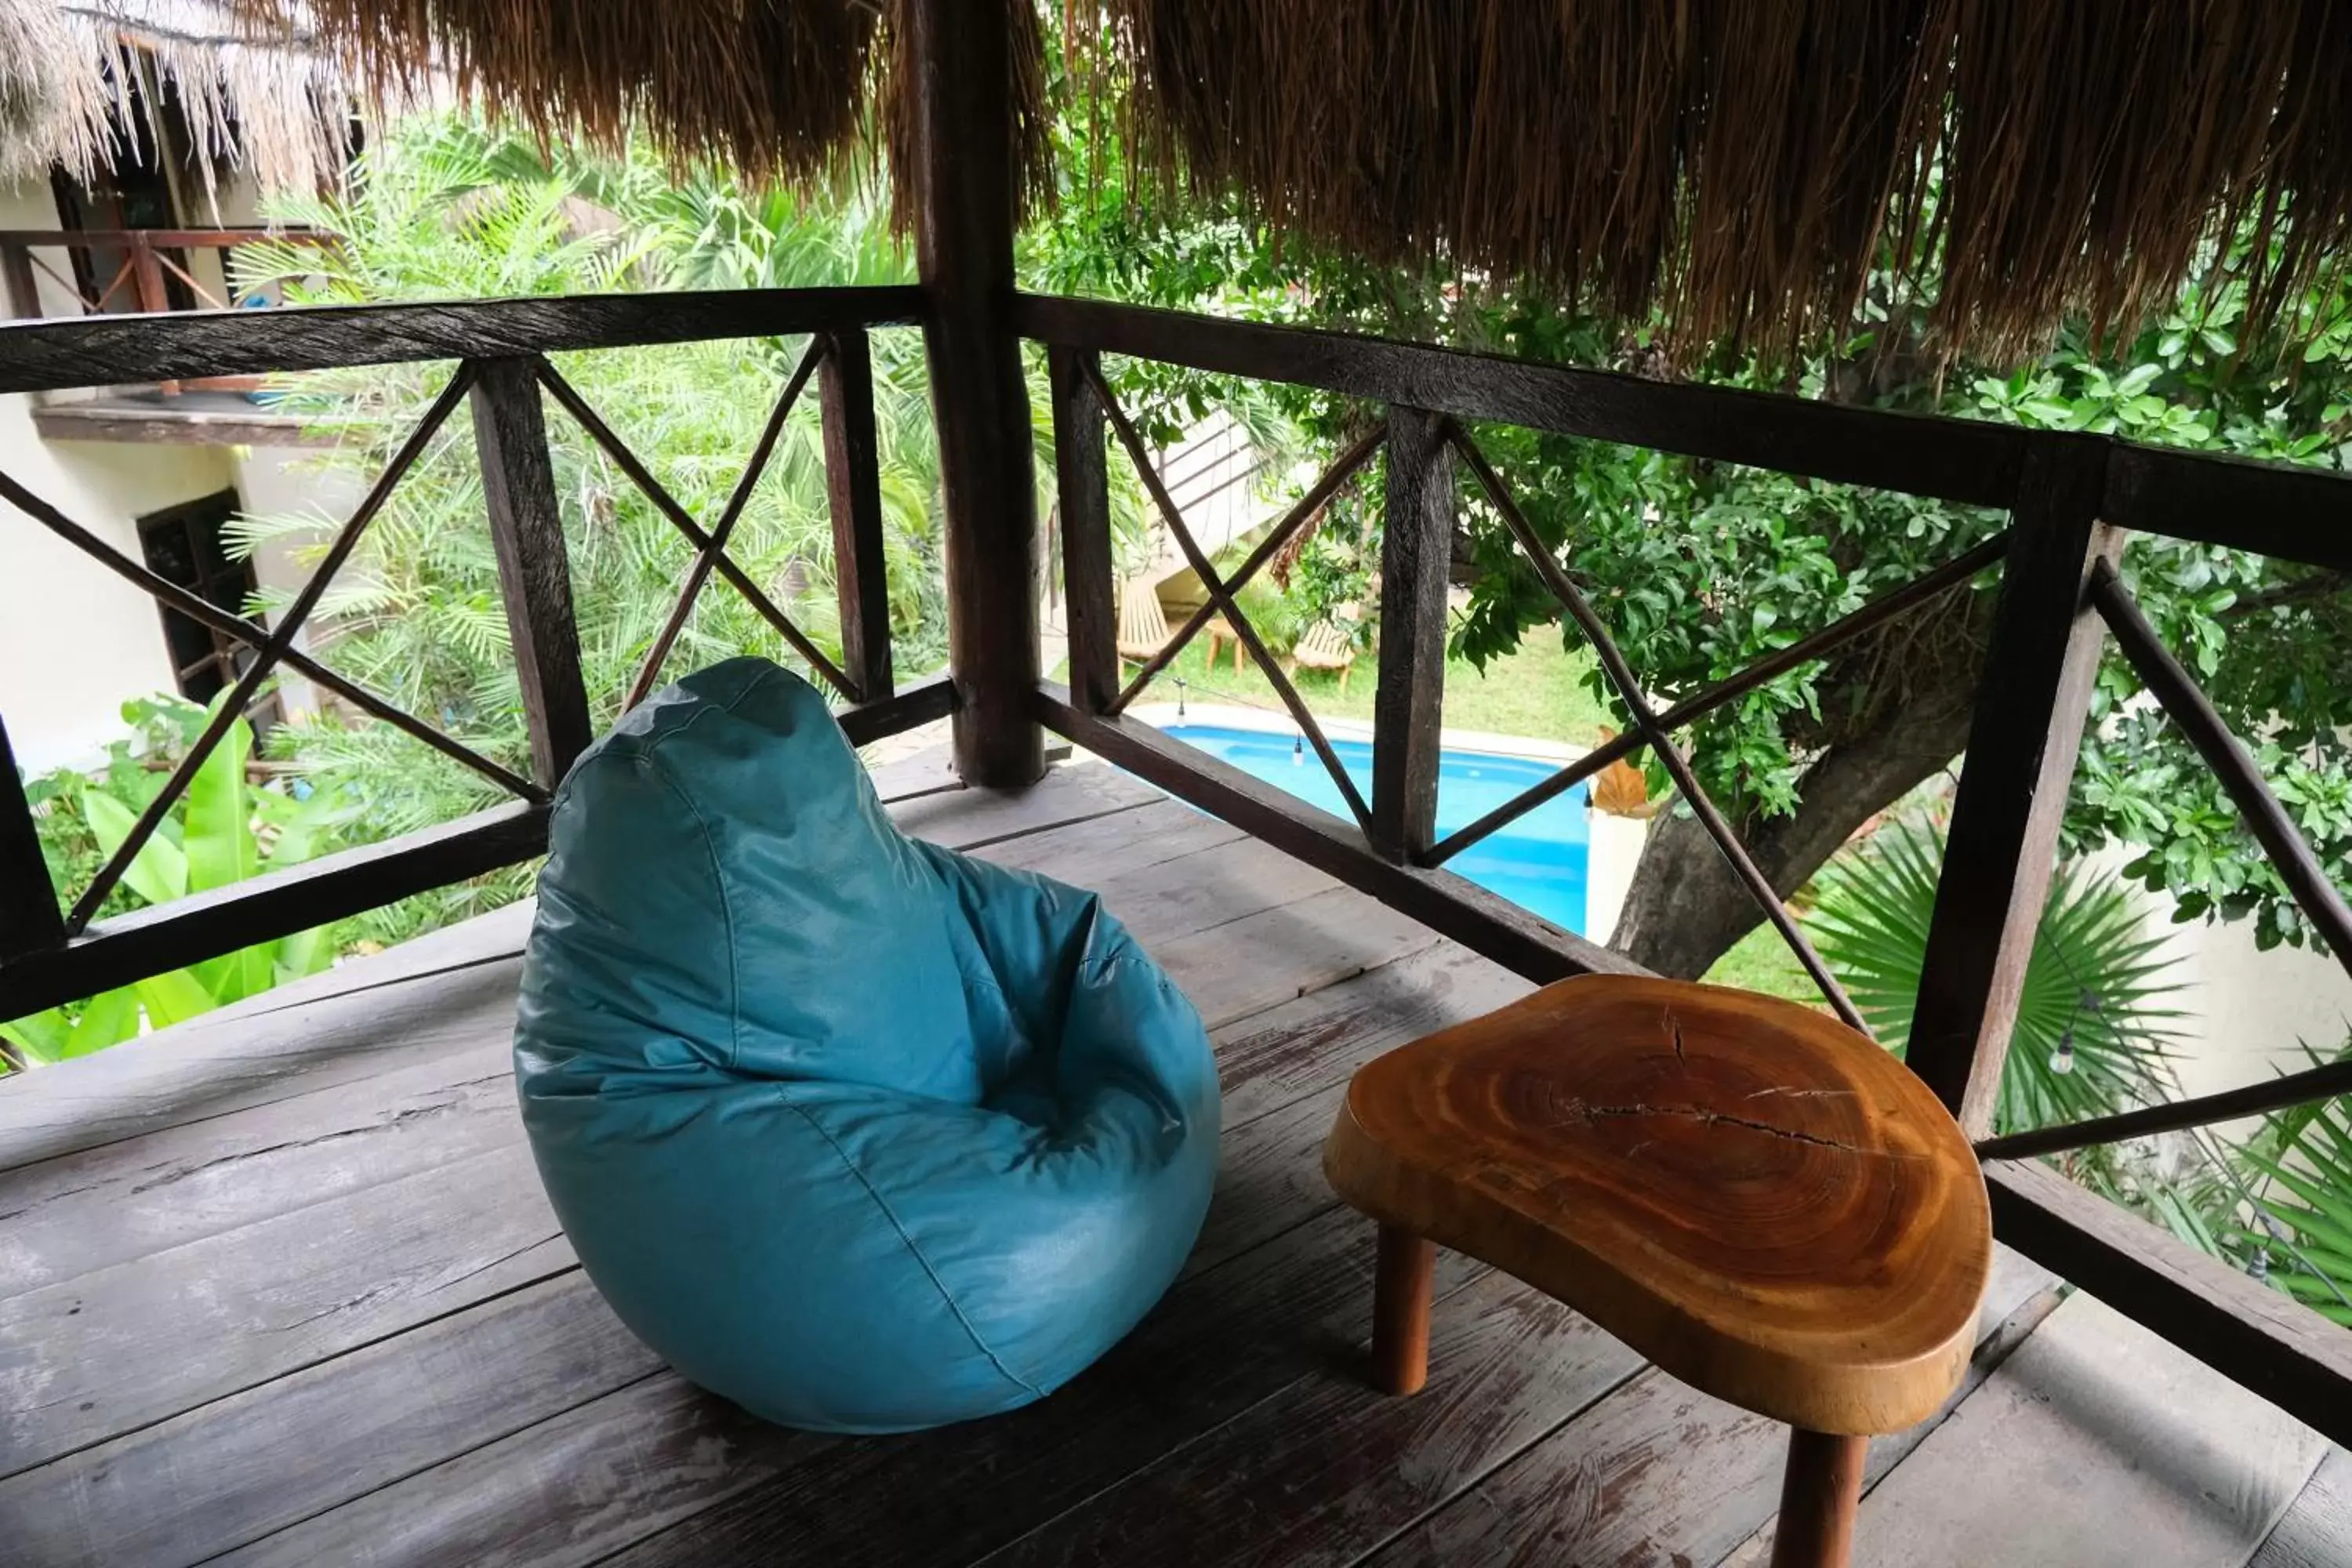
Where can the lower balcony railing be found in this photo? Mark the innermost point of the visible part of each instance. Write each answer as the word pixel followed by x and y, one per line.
pixel 2072 500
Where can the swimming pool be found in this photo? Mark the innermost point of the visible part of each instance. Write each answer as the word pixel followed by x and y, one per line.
pixel 1538 862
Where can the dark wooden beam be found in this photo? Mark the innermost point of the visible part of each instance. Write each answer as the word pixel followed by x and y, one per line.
pixel 634 466
pixel 1173 517
pixel 2239 1327
pixel 853 482
pixel 23 289
pixel 2280 510
pixel 31 919
pixel 2185 704
pixel 278 903
pixel 214 618
pixel 534 571
pixel 1619 672
pixel 2032 704
pixel 1448 904
pixel 1884 609
pixel 1220 597
pixel 903 709
pixel 1615 749
pixel 1408 711
pixel 102 350
pixel 1082 497
pixel 964 196
pixel 714 548
pixel 166 238
pixel 2323 1082
pixel 1957 459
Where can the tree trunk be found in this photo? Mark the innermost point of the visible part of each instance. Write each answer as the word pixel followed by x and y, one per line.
pixel 1687 907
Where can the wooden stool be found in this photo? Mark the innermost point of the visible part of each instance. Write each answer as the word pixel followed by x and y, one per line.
pixel 1221 632
pixel 1757 1199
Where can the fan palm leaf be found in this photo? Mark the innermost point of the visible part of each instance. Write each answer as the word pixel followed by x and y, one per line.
pixel 2096 1025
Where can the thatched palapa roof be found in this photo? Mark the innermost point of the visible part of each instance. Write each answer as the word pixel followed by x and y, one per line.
pixel 1744 163
pixel 796 89
pixel 1747 163
pixel 77 76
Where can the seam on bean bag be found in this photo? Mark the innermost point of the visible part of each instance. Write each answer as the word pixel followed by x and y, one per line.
pixel 915 1252
pixel 649 753
pixel 726 910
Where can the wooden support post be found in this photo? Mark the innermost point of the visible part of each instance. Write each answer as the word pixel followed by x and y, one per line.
pixel 2032 703
pixel 1403 1280
pixel 1416 542
pixel 853 482
pixel 147 276
pixel 535 573
pixel 30 921
pixel 1082 488
pixel 964 195
pixel 1820 1491
pixel 24 290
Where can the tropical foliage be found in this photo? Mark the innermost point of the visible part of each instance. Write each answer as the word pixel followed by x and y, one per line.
pixel 1700 568
pixel 441 208
pixel 2097 1021
pixel 2297 1229
pixel 224 829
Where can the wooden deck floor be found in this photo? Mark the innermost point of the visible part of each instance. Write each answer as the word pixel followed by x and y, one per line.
pixel 280 1288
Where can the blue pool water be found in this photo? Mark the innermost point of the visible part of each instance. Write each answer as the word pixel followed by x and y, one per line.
pixel 1538 862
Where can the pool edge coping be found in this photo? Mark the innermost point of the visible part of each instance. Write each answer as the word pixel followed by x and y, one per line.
pixel 1522 748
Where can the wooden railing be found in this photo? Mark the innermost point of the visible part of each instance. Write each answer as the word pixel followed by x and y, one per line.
pixel 2072 499
pixel 141 266
pixel 49 955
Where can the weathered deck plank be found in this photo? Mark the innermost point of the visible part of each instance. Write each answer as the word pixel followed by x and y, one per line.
pixel 268 1457
pixel 2210 1468
pixel 2316 1531
pixel 410 1416
pixel 206 1068
pixel 92 1356
pixel 91 1210
pixel 1334 1467
pixel 326 1316
pixel 611 1474
pixel 1656 1472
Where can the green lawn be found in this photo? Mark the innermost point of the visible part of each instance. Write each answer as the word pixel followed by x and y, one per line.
pixel 1536 692
pixel 1760 960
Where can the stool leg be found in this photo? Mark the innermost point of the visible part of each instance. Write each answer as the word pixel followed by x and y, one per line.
pixel 1400 1290
pixel 1819 1493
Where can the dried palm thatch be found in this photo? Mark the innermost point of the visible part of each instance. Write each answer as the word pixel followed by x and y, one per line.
pixel 78 76
pixel 775 89
pixel 1746 165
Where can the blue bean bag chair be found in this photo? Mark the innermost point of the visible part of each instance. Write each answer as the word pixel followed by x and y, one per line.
pixel 861 1134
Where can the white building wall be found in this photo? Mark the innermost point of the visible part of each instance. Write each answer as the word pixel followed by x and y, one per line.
pixel 76 641
pixel 2250 1008
pixel 29 204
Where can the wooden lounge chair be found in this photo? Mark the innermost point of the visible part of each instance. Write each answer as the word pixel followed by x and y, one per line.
pixel 1142 624
pixel 1620 789
pixel 1326 645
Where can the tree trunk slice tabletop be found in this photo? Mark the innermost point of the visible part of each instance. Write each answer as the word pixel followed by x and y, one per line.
pixel 1764 1203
